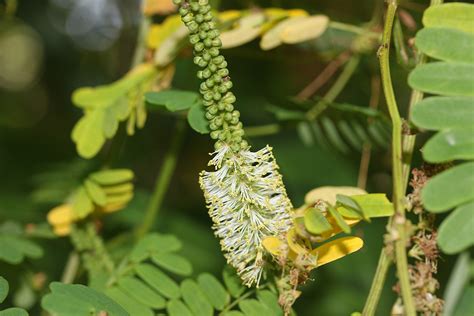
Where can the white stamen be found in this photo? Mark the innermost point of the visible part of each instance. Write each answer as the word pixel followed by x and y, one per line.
pixel 247 202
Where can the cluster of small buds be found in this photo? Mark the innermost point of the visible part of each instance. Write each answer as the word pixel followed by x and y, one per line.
pixel 223 119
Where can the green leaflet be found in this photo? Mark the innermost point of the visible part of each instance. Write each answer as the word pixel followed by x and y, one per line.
pixel 177 308
pixel 173 263
pixel 111 177
pixel 365 206
pixel 173 100
pixel 456 231
pixel 82 204
pixel 455 15
pixel 96 193
pixel 458 279
pixel 435 113
pixel 79 300
pixel 13 311
pixel 232 282
pixel 270 300
pixel 466 306
pixel 450 144
pixel 195 298
pixel 197 120
pixel 15 247
pixel 342 126
pixel 448 35
pixel 456 78
pixel 105 106
pixel 214 291
pixel 154 243
pixel 339 219
pixel 457 45
pixel 158 280
pixel 3 289
pixel 315 222
pixel 449 188
pixel 88 134
pixel 141 292
pixel 130 304
pixel 253 307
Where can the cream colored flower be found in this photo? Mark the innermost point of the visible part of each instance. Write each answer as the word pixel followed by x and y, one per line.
pixel 247 202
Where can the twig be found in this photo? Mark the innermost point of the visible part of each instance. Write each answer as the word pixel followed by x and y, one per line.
pixel 377 284
pixel 70 270
pixel 367 147
pixel 335 89
pixel 324 76
pixel 399 221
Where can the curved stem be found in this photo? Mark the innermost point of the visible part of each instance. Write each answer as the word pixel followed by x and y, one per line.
pixel 162 181
pixel 377 284
pixel 399 221
pixel 70 270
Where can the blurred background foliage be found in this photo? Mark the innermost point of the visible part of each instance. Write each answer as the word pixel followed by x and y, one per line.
pixel 49 48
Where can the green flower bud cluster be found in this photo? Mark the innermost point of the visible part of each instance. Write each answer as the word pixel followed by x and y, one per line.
pixel 223 119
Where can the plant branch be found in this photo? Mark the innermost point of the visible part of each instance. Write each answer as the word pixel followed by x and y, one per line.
pixel 70 270
pixel 335 89
pixel 367 147
pixel 407 148
pixel 377 284
pixel 323 76
pixel 399 220
pixel 162 181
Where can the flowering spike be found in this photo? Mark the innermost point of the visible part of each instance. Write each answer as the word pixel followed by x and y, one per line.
pixel 245 194
pixel 247 202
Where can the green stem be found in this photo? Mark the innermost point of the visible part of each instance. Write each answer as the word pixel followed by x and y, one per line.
pixel 162 181
pixel 399 221
pixel 70 270
pixel 237 301
pixel 335 89
pixel 352 28
pixel 377 284
pixel 140 48
pixel 407 147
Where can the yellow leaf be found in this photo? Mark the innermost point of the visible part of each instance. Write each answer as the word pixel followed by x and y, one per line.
pixel 304 29
pixel 295 244
pixel 273 245
pixel 337 249
pixel 153 37
pixel 61 215
pixel 297 12
pixel 229 15
pixel 118 189
pixel 272 38
pixel 62 230
pixel 168 47
pixel 248 29
pixel 151 7
pixel 119 198
pixel 159 33
pixel 328 194
pixel 113 207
